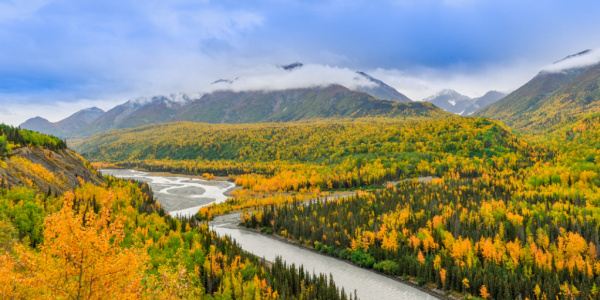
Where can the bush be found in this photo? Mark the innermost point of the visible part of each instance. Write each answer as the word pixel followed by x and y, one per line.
pixel 362 259
pixel 388 267
pixel 266 230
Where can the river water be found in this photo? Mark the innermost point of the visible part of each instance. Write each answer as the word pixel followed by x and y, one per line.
pixel 177 192
pixel 179 195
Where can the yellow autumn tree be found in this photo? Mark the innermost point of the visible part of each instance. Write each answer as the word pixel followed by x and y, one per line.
pixel 484 292
pixel 81 257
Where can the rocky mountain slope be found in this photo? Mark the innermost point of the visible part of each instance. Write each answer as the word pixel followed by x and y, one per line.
pixel 41 162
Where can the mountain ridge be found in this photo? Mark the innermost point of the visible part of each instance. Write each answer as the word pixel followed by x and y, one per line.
pixel 226 106
pixel 294 105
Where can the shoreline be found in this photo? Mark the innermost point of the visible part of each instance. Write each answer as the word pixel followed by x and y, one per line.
pixel 226 222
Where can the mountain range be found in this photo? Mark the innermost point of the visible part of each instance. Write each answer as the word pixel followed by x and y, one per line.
pixel 452 101
pixel 333 101
pixel 555 96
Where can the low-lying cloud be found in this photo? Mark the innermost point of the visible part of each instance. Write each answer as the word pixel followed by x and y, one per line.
pixel 589 58
pixel 272 78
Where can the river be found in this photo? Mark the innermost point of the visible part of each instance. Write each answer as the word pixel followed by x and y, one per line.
pixel 176 194
pixel 179 195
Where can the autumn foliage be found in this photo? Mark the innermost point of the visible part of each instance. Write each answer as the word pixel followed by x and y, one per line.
pixel 80 259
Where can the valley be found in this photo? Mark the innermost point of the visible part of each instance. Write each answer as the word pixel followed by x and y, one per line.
pixel 302 181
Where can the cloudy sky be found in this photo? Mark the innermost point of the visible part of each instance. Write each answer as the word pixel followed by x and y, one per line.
pixel 57 57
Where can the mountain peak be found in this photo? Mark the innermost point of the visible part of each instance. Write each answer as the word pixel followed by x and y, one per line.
pixel 450 101
pixel 575 63
pixel 381 90
pixel 446 93
pixel 222 81
pixel 92 109
pixel 292 66
pixel 36 119
pixel 42 125
pixel 584 52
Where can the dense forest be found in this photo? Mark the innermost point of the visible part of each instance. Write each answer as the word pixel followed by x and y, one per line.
pixel 278 163
pixel 111 239
pixel 458 234
pixel 528 232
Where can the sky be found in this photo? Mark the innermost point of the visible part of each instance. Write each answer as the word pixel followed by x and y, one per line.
pixel 60 56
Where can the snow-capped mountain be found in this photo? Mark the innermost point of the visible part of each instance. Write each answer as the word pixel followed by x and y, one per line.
pixel 450 100
pixel 454 102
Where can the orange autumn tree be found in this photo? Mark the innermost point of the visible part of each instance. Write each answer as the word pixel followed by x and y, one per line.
pixel 81 257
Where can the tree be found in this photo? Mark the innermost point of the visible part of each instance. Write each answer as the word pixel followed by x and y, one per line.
pixel 484 292
pixel 81 257
pixel 7 235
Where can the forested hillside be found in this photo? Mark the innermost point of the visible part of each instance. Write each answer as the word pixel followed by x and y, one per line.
pixel 108 238
pixel 333 101
pixel 305 157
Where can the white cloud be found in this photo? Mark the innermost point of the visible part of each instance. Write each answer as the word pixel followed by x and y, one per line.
pixel 271 77
pixel 590 58
pixel 190 75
